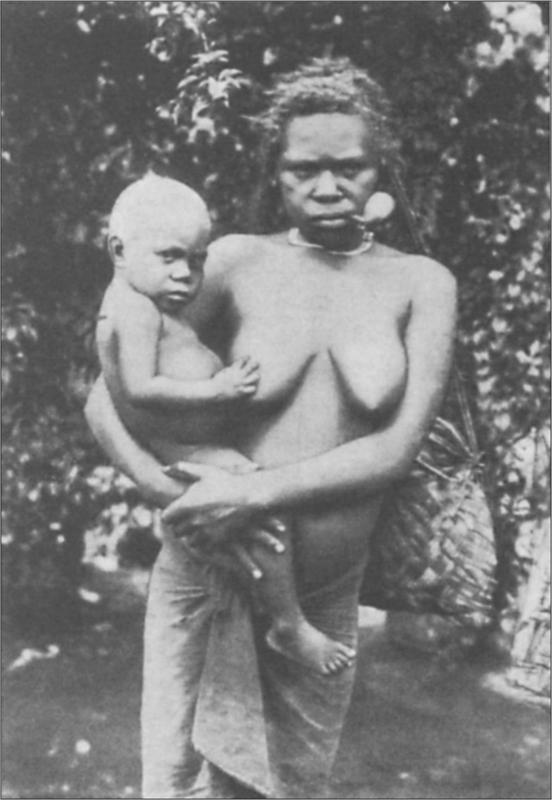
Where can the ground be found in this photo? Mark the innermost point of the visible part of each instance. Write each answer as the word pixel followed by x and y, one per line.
pixel 417 728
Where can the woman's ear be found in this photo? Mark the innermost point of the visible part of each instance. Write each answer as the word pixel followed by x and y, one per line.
pixel 116 249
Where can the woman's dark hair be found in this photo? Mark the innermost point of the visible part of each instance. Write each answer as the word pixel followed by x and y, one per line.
pixel 322 86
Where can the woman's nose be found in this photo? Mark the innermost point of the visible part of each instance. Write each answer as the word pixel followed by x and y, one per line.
pixel 326 186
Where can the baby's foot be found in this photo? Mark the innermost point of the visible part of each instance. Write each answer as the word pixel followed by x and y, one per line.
pixel 310 647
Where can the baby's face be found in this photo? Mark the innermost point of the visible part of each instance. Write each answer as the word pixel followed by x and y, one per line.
pixel 164 259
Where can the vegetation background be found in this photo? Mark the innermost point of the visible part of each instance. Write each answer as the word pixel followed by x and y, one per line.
pixel 96 93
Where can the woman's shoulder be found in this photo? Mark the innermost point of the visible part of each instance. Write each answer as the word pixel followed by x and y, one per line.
pixel 421 272
pixel 234 247
pixel 236 255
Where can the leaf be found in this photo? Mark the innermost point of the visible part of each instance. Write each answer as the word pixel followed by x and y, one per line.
pixel 211 57
pixel 217 89
pixel 30 654
pixel 188 82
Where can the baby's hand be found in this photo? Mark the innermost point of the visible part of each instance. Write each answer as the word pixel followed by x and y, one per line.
pixel 240 379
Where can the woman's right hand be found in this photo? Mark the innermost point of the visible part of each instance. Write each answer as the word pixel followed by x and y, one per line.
pixel 229 550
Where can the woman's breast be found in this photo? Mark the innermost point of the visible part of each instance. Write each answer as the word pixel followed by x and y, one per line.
pixel 315 394
pixel 366 375
pixel 371 373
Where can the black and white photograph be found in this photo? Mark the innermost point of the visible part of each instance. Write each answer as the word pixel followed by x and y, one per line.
pixel 276 399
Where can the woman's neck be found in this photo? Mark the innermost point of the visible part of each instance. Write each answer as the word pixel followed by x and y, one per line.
pixel 354 247
pixel 342 238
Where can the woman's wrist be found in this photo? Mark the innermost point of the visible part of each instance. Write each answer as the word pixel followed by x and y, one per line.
pixel 162 491
pixel 258 490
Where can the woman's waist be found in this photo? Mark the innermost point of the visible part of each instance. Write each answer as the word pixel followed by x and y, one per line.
pixel 275 442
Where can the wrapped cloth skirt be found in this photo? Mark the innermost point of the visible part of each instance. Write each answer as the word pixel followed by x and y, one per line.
pixel 221 709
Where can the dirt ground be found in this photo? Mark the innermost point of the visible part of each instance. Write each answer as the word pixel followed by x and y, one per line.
pixel 415 729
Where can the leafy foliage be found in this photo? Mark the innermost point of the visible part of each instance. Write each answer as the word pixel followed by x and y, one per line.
pixel 95 93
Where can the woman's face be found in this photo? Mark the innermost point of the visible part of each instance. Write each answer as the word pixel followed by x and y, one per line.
pixel 327 173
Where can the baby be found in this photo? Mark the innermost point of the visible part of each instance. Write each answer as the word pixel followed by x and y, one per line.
pixel 173 393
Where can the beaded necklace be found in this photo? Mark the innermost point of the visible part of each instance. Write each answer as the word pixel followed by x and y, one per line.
pixel 295 239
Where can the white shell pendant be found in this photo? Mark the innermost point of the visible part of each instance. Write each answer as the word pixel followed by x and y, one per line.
pixel 380 206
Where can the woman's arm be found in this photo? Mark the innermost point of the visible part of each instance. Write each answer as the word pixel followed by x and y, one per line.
pixel 367 464
pixel 125 452
pixel 158 488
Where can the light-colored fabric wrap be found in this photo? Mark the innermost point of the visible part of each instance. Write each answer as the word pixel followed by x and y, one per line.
pixel 219 704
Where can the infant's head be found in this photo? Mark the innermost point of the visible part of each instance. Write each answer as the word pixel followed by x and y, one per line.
pixel 158 234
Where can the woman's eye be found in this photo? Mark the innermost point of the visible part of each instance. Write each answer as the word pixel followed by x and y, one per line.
pixel 350 172
pixel 303 173
pixel 167 256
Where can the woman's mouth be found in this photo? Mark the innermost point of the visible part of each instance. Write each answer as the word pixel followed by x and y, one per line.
pixel 332 220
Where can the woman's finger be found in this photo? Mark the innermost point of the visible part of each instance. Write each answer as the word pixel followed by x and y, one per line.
pixel 274 525
pixel 265 538
pixel 191 471
pixel 181 512
pixel 246 561
pixel 245 468
pixel 185 531
pixel 182 472
pixel 177 513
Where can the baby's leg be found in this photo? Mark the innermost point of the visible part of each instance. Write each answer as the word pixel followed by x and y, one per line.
pixel 290 632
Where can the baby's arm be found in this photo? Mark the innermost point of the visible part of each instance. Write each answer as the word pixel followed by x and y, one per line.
pixel 139 329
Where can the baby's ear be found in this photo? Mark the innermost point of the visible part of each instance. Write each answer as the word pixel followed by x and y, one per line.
pixel 115 247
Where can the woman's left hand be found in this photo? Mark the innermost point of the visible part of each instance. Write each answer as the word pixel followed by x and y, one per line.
pixel 215 498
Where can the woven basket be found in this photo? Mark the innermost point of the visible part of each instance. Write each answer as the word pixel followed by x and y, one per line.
pixel 433 550
pixel 531 649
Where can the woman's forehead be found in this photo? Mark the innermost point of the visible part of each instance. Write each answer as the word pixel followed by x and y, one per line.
pixel 336 135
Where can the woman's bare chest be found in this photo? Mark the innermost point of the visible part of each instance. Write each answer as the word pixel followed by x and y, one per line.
pixel 323 329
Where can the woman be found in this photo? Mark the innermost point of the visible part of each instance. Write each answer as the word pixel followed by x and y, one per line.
pixel 354 340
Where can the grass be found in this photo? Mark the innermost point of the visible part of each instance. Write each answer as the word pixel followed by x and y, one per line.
pixel 415 730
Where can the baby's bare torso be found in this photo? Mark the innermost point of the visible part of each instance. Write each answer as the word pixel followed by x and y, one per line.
pixel 171 435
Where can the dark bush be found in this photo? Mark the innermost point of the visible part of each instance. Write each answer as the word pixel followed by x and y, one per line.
pixel 96 93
